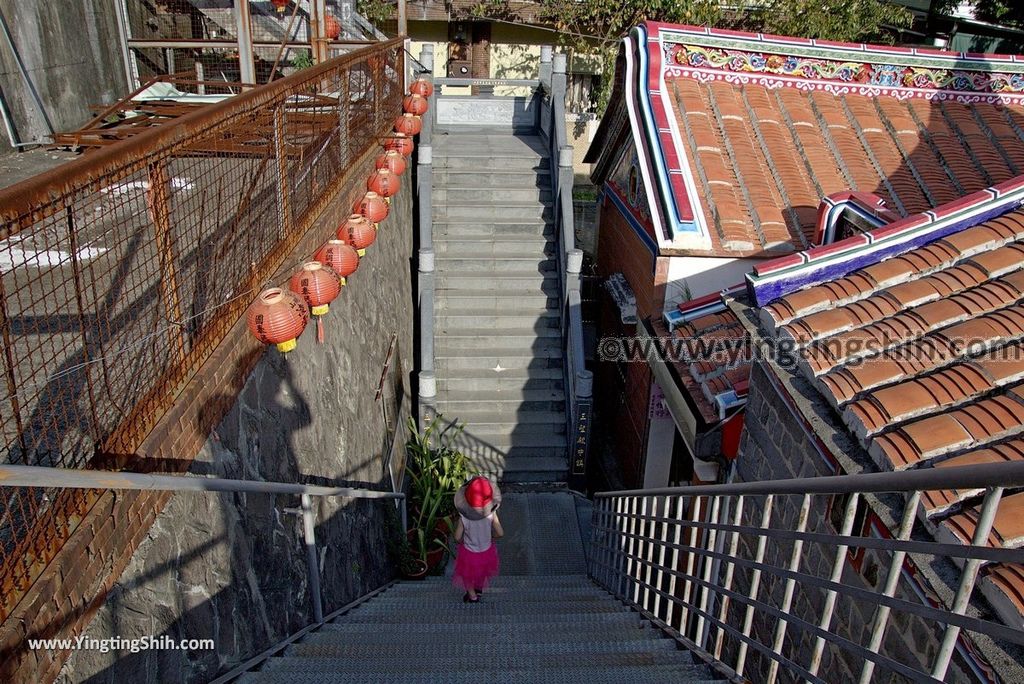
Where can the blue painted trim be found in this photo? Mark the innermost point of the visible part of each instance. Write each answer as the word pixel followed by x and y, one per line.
pixel 637 227
pixel 766 292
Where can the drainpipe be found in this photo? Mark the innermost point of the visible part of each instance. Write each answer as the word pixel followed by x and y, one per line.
pixel 28 84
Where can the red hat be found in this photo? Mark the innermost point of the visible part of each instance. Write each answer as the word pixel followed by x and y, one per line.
pixel 478 498
pixel 479 492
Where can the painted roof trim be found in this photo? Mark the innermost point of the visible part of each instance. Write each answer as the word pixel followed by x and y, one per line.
pixel 779 277
pixel 673 174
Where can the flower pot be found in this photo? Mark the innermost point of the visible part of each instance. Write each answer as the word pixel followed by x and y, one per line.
pixel 418 572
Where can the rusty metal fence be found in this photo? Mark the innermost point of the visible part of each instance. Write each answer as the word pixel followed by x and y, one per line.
pixel 121 272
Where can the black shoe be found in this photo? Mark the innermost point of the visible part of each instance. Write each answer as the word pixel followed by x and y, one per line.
pixel 466 599
pixel 479 592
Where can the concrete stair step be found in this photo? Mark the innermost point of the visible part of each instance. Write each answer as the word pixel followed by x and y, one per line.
pixel 456 360
pixel 536 373
pixel 625 632
pixel 546 282
pixel 486 162
pixel 497 179
pixel 538 579
pixel 503 423
pixel 528 469
pixel 490 247
pixel 484 211
pixel 499 266
pixel 513 302
pixel 509 442
pixel 482 337
pixel 445 591
pixel 466 228
pixel 484 397
pixel 443 194
pixel 453 319
pixel 498 356
pixel 497 382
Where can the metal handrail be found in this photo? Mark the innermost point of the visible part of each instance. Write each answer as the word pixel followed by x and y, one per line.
pixel 976 476
pixel 674 554
pixel 68 478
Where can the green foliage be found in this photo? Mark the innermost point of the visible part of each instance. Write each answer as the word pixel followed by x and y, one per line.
pixel 436 469
pixel 303 60
pixel 1004 12
pixel 843 20
pixel 594 27
pixel 377 12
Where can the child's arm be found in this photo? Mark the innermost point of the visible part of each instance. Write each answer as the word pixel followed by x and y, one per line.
pixel 496 530
pixel 459 531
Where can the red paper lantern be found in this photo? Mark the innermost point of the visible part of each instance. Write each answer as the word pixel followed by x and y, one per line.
pixel 422 87
pixel 340 256
pixel 358 231
pixel 318 285
pixel 392 161
pixel 279 5
pixel 383 182
pixel 410 124
pixel 415 104
pixel 332 29
pixel 400 143
pixel 278 317
pixel 372 206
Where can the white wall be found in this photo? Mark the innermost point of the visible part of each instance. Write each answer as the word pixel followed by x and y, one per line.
pixel 692 277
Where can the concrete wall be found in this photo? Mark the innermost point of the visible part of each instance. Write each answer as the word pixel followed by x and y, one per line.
pixel 232 568
pixel 775 445
pixel 72 52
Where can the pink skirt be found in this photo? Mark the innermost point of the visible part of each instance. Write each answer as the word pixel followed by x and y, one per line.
pixel 473 570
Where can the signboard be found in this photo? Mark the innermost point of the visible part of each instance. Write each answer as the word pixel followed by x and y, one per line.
pixel 582 438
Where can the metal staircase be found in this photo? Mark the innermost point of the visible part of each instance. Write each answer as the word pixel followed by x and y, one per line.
pixel 542 620
pixel 498 338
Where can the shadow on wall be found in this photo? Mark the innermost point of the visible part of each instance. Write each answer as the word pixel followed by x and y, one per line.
pixel 232 567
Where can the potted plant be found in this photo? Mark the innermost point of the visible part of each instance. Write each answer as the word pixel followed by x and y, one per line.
pixel 436 470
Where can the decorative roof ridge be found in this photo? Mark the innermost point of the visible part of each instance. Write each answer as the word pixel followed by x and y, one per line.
pixel 776 278
pixel 667 31
pixel 839 68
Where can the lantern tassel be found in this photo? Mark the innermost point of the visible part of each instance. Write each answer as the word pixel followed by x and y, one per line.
pixel 320 329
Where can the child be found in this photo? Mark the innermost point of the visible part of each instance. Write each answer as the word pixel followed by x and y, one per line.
pixel 476 563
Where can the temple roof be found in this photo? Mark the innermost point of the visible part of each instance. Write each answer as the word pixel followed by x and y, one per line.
pixel 738 137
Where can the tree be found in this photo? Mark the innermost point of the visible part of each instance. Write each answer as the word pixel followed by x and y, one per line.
pixel 595 26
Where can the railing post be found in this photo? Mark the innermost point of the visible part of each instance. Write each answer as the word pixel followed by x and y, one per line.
pixel 838 563
pixel 558 62
pixel 889 589
pixel 723 610
pixel 243 24
pixel 967 580
pixel 545 66
pixel 690 560
pixel 787 596
pixel 309 535
pixel 755 583
pixel 709 545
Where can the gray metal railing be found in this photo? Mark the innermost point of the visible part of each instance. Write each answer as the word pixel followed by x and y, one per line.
pixel 694 560
pixel 579 381
pixel 427 394
pixel 67 478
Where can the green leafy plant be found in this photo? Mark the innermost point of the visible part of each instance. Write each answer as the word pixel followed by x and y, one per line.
pixel 303 60
pixel 436 469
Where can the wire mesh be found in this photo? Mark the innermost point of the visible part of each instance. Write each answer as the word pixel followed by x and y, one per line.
pixel 121 272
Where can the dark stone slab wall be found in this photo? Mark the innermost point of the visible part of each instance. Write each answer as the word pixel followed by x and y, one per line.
pixel 776 444
pixel 232 568
pixel 72 52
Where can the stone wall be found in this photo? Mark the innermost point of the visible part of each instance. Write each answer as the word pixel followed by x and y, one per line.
pixel 71 51
pixel 232 568
pixel 777 445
